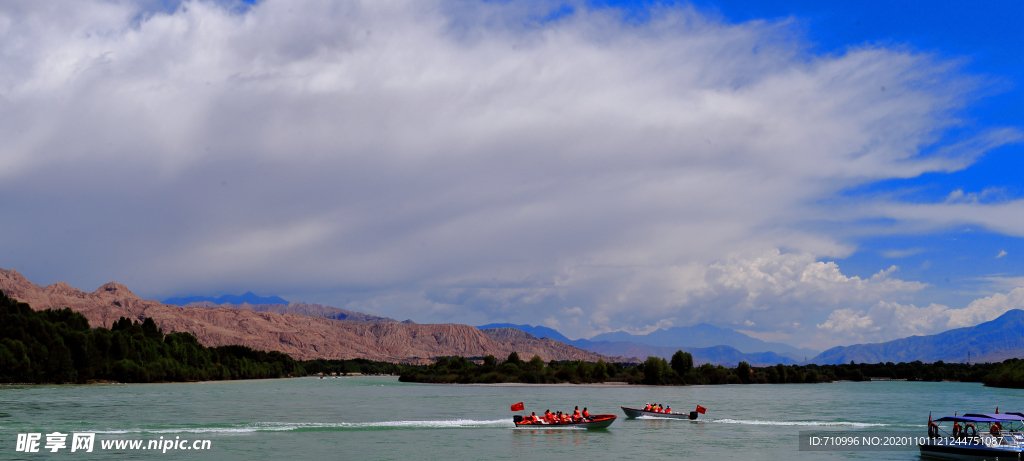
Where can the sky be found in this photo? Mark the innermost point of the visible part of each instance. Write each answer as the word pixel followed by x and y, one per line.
pixel 814 173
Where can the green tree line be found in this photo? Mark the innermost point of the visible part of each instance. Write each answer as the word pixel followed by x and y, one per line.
pixel 513 369
pixel 1010 374
pixel 680 370
pixel 58 346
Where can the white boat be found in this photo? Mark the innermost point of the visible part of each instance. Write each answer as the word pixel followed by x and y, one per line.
pixel 978 439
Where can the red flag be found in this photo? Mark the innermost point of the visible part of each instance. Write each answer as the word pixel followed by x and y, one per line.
pixel 518 407
pixel 701 409
pixel 997 410
pixel 930 419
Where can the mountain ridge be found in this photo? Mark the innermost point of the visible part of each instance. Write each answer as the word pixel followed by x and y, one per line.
pixel 992 341
pixel 705 335
pixel 537 331
pixel 319 310
pixel 303 337
pixel 247 297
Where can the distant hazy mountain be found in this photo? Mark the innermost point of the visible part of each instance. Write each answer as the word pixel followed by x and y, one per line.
pixel 703 336
pixel 248 297
pixel 992 341
pixel 537 331
pixel 718 355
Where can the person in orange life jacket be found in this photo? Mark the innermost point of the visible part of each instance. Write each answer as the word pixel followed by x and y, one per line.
pixel 668 409
pixel 647 407
pixel 547 416
pixel 576 414
pixel 586 414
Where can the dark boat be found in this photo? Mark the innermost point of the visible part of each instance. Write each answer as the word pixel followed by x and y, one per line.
pixel 637 413
pixel 595 422
pixel 974 443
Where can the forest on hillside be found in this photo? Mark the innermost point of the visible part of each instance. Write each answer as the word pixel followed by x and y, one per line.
pixel 59 346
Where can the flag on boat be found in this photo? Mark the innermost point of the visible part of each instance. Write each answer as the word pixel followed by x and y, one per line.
pixel 701 409
pixel 518 407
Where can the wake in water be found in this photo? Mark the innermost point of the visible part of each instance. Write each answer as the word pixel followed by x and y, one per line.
pixel 758 422
pixel 278 427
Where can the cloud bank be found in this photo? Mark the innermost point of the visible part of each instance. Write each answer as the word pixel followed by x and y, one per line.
pixel 465 162
pixel 890 320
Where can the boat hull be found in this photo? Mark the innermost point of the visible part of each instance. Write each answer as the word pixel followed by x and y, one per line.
pixel 977 452
pixel 637 413
pixel 598 422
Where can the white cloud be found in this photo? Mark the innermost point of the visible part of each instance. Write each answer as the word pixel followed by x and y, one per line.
pixel 459 161
pixel 1001 254
pixel 889 320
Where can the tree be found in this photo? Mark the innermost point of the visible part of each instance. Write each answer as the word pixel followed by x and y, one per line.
pixel 682 362
pixel 653 369
pixel 536 364
pixel 743 372
pixel 514 358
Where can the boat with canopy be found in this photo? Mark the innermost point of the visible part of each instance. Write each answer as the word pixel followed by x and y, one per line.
pixel 976 436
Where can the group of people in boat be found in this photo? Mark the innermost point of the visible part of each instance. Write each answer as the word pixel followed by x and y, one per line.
pixel 968 430
pixel 559 417
pixel 657 408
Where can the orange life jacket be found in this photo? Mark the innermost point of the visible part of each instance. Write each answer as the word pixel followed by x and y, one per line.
pixel 668 410
pixel 586 414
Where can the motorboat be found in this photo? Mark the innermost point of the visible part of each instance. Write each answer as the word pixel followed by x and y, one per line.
pixel 640 413
pixel 976 436
pixel 594 422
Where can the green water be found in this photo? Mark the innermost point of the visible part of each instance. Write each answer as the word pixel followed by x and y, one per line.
pixel 379 418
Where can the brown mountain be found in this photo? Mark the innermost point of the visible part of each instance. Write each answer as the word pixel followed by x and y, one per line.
pixel 318 310
pixel 301 336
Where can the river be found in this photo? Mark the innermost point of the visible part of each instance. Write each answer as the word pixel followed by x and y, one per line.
pixel 379 418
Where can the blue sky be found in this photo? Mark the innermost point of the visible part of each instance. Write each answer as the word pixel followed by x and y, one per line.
pixel 817 173
pixel 987 40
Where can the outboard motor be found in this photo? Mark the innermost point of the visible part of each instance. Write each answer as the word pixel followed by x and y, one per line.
pixel 517 419
pixel 693 415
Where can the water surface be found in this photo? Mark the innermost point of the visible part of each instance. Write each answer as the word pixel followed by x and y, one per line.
pixel 378 418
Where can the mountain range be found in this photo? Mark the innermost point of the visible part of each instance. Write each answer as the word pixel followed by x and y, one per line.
pixel 538 331
pixel 319 310
pixel 707 343
pixel 248 297
pixel 992 341
pixel 310 331
pixel 704 335
pixel 303 337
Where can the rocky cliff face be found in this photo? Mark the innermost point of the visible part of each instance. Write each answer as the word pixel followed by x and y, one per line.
pixel 301 336
pixel 318 310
